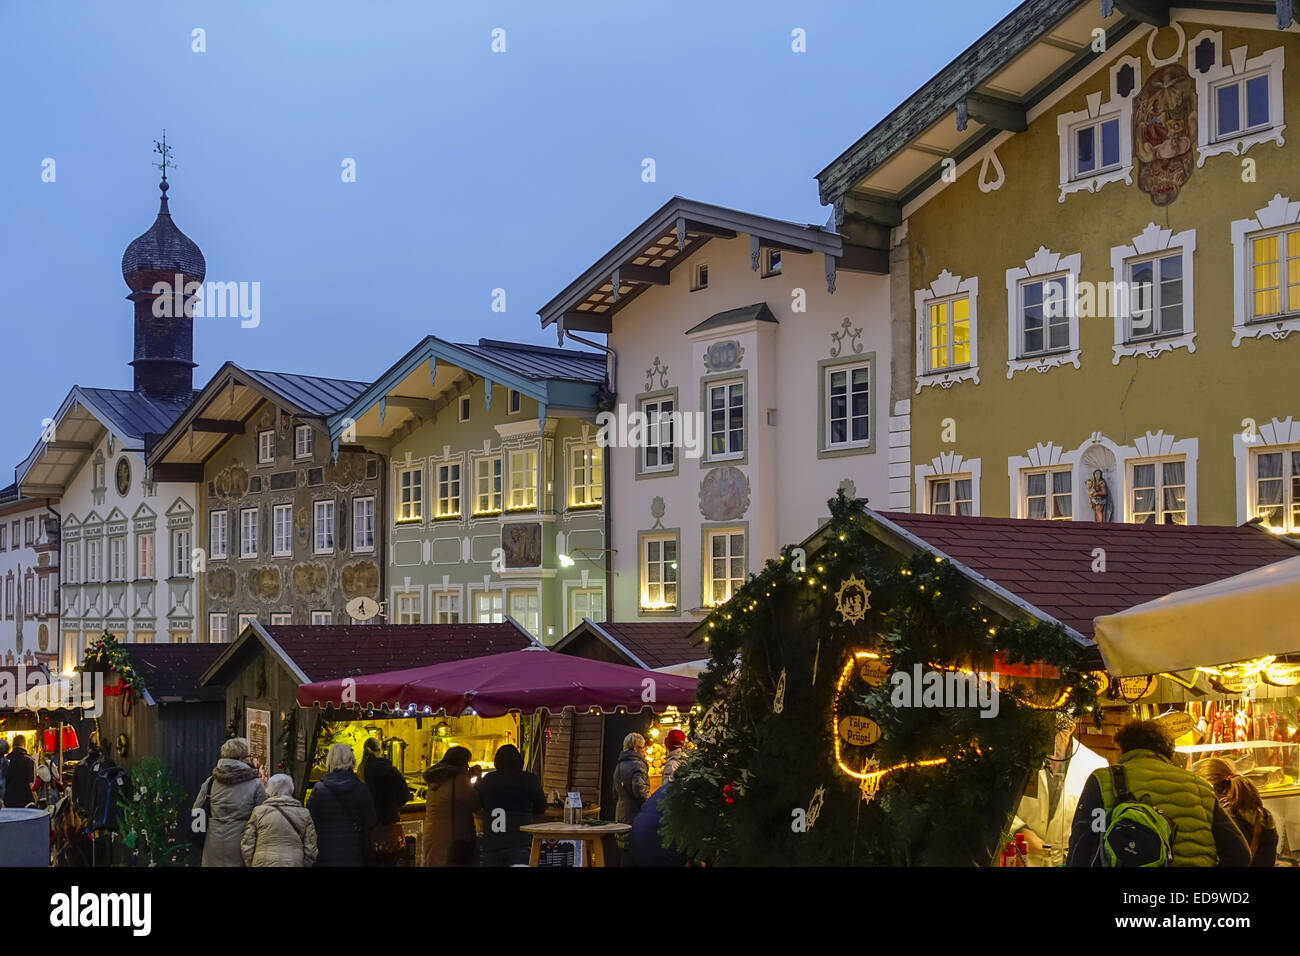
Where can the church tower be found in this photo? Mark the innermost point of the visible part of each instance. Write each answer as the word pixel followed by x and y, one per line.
pixel 164 331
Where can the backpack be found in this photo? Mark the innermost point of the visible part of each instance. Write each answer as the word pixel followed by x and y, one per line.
pixel 1137 834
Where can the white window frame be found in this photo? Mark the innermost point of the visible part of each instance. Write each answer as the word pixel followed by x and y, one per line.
pixel 1280 215
pixel 528 488
pixel 281 618
pixel 662 419
pixel 574 590
pixel 304 442
pixel 282 518
pixel 248 543
pixel 1047 456
pixel 1239 66
pixel 726 384
pixel 586 474
pixel 946 289
pixel 408 607
pixel 446 602
pixel 44 595
pixel 489 468
pixel 533 595
pixel 408 510
pixel 244 620
pixel 323 531
pixel 948 464
pixel 265 447
pixel 733 584
pixel 644 584
pixel 94 572
pixel 514 401
pixel 1095 112
pixel 953 501
pixel 218 628
pixel 495 613
pixel 1189 477
pixel 322 618
pixel 72 548
pixel 219 535
pixel 117 558
pixel 448 505
pixel 1290 499
pixel 1049 495
pixel 363 524
pixel 1043 266
pixel 848 368
pixel 181 543
pixel 1152 243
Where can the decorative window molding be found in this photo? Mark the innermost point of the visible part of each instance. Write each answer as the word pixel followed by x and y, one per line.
pixel 1043 266
pixel 1157 447
pixel 657 454
pixel 1278 214
pixel 945 289
pixel 1151 243
pixel 1044 457
pixel 1125 81
pixel 659 572
pixel 948 463
pixel 1277 434
pixel 1219 73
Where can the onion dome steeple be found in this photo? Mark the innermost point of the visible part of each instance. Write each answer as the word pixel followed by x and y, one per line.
pixel 164 326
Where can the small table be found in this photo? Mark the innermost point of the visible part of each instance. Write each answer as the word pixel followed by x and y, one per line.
pixel 591 837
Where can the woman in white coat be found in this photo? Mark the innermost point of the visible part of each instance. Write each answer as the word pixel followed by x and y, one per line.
pixel 280 832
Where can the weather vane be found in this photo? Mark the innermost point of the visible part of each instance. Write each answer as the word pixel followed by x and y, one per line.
pixel 163 150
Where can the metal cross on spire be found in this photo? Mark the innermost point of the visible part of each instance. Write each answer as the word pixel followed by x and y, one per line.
pixel 163 150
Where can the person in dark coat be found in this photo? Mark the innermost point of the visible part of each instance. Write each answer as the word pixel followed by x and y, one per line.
pixel 344 813
pixel 4 768
pixel 646 842
pixel 449 811
pixel 631 786
pixel 390 792
pixel 20 776
pixel 511 799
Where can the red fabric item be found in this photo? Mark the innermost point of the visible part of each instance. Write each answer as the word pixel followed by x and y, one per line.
pixel 674 740
pixel 50 740
pixel 502 683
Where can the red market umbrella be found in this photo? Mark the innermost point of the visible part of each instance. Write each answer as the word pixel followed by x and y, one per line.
pixel 498 684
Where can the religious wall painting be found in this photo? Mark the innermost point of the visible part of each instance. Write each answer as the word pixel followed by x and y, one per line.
pixel 1165 133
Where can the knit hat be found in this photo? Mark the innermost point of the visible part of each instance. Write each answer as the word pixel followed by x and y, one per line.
pixel 674 740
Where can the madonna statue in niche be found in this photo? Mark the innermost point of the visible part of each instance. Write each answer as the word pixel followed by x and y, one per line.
pixel 1098 496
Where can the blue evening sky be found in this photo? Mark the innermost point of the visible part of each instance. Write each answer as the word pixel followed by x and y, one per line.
pixel 475 170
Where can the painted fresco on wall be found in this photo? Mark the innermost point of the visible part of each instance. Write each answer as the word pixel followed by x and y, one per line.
pixel 1164 133
pixel 522 544
pixel 724 494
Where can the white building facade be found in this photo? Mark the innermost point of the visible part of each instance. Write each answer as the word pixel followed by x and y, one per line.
pixel 29 581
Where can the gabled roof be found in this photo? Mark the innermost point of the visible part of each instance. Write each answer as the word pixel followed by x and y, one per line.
pixel 426 379
pixel 173 672
pixel 758 312
pixel 133 418
pixel 673 233
pixel 1048 565
pixel 331 652
pixel 232 395
pixel 648 644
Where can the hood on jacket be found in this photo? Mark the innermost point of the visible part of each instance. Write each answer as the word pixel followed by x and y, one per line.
pixel 440 774
pixel 231 772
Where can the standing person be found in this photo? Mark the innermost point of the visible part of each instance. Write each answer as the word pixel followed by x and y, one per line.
pixel 511 799
pixel 280 831
pixel 389 791
pixel 1045 817
pixel 449 811
pixel 228 798
pixel 1241 799
pixel 646 844
pixel 343 811
pixel 4 768
pixel 20 775
pixel 675 744
pixel 1203 835
pixel 631 786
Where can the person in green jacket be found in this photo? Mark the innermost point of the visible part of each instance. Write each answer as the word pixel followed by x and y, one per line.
pixel 1204 834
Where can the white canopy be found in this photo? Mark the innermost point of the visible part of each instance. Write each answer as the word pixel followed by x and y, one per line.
pixel 1244 617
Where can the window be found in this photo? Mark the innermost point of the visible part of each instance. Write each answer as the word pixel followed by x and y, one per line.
pixel 1276 481
pixel 1094 147
pixel 514 402
pixel 4 536
pixel 1048 494
pixel 45 595
pixel 1043 313
pixel 282 530
pixel 266 447
pixel 181 552
pixel 408 607
pixel 219 534
pixel 29 595
pixel 449 491
pixel 446 607
pixel 951 495
pixel 303 441
pixel 218 629
pixel 363 524
pixel 98 475
pixel 410 493
pixel 1096 143
pixel 487 492
pixel 18 534
pixel 117 559
pixel 726 419
pixel 462 407
pixel 245 620
pixel 1241 106
pixel 320 618
pixel 847 405
pixel 489 607
pixel 523 480
pixel 588 603
pixel 1239 97
pixel 1153 308
pixel 771 262
pixel 526 608
pixel 724 571
pixel 1275 274
pixel 948 334
pixel 1159 492
pixel 9 596
pixel 248 533
pixel 700 277
pixel 659 421
pixel 586 477
pixel 659 573
pixel 323 522
pixel 946 331
pixel 1155 289
pixel 73 570
pixel 92 561
pixel 29 531
pixel 1044 316
pixel 281 619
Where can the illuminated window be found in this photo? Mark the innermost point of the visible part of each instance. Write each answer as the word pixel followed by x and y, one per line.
pixel 523 480
pixel 248 533
pixel 726 419
pixel 1048 494
pixel 409 608
pixel 282 530
pixel 487 489
pixel 659 573
pixel 449 491
pixel 951 495
pixel 363 524
pixel 526 608
pixel 724 568
pixel 323 522
pixel 1275 274
pixel 1159 491
pixel 410 493
pixel 219 534
pixel 948 337
pixel 586 477
pixel 1276 486
pixel 588 603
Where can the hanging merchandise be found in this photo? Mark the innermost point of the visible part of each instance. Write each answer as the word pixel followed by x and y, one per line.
pixel 815 806
pixel 778 704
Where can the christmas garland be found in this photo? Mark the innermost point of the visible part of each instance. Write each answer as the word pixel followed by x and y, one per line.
pixel 805 753
pixel 105 654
